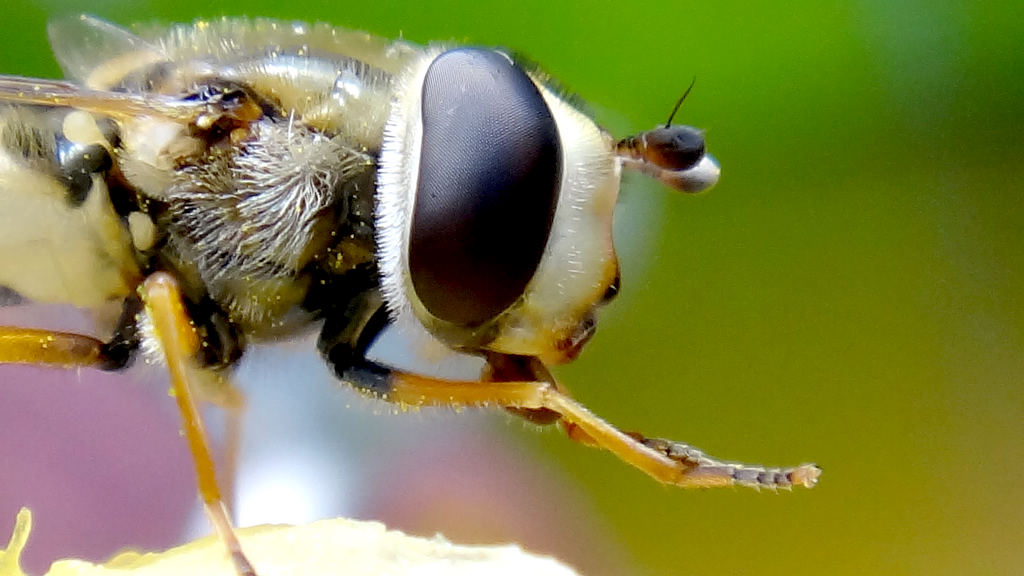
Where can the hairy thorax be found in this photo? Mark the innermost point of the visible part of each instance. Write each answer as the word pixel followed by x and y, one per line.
pixel 256 223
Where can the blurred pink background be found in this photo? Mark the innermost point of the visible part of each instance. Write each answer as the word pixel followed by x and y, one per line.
pixel 99 459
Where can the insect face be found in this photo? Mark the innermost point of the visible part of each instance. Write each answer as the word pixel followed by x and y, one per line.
pixel 495 208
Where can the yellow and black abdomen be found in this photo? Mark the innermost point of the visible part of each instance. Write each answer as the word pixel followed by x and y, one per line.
pixel 61 240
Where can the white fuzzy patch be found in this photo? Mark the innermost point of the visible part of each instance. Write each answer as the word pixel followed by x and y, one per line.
pixel 397 172
pixel 149 344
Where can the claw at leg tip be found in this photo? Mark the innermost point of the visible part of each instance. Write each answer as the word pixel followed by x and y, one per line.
pixel 806 475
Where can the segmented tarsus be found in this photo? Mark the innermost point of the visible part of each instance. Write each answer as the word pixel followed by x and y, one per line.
pixel 757 477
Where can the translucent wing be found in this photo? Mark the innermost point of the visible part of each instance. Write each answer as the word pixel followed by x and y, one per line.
pixel 96 53
pixel 16 90
pixel 332 79
pixel 60 238
pixel 228 40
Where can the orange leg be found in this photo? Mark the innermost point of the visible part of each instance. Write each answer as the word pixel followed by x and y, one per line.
pixel 48 348
pixel 525 386
pixel 177 340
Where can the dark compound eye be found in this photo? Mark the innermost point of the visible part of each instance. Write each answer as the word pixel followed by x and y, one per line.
pixel 675 147
pixel 489 177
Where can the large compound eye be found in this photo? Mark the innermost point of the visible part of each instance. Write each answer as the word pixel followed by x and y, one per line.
pixel 488 184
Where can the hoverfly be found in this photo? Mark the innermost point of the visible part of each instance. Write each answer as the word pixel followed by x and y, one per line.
pixel 235 181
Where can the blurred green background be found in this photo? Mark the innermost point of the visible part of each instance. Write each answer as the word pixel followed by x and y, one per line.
pixel 849 294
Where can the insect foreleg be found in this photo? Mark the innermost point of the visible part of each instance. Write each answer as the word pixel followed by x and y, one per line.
pixel 524 386
pixel 511 386
pixel 678 463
